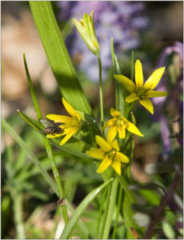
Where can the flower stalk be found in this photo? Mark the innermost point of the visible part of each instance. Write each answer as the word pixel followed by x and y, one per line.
pixel 101 94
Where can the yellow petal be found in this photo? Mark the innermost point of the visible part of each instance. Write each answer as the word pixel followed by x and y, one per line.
pixel 121 132
pixel 154 79
pixel 78 116
pixel 115 145
pixel 59 118
pixel 115 113
pixel 103 144
pixel 110 122
pixel 96 153
pixel 133 129
pixel 69 108
pixel 66 138
pixel 111 134
pixel 127 83
pixel 69 130
pixel 151 94
pixel 53 135
pixel 104 165
pixel 131 98
pixel 139 79
pixel 121 157
pixel 116 165
pixel 147 104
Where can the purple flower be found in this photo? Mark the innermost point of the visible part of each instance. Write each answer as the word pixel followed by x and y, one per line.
pixel 119 19
pixel 173 97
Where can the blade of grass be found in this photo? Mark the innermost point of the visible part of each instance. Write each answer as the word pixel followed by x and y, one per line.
pixel 120 101
pixel 111 208
pixel 19 140
pixel 36 162
pixel 47 144
pixel 89 198
pixel 58 56
pixel 127 203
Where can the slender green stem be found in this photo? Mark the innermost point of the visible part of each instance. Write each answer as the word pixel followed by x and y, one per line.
pixel 106 211
pixel 120 192
pixel 113 194
pixel 119 95
pixel 18 211
pixel 47 144
pixel 56 177
pixel 101 94
pixel 100 212
pixel 16 196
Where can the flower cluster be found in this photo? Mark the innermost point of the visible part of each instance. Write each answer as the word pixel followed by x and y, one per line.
pixel 109 150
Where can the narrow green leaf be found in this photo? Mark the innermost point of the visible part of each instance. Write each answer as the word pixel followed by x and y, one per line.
pixel 120 101
pixel 128 192
pixel 110 209
pixel 58 56
pixel 37 108
pixel 89 198
pixel 128 213
pixel 18 139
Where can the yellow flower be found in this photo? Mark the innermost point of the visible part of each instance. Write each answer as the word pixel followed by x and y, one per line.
pixel 70 125
pixel 140 91
pixel 110 153
pixel 118 124
pixel 86 29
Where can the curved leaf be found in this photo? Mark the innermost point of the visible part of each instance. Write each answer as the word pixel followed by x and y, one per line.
pixel 89 198
pixel 58 56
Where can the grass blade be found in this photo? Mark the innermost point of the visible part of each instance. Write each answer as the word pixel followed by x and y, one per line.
pixel 58 56
pixel 68 229
pixel 21 143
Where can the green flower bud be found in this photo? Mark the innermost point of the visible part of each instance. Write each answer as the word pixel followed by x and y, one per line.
pixel 86 29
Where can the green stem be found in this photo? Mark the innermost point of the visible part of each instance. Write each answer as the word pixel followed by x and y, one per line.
pixel 119 95
pixel 18 211
pixel 100 212
pixel 16 196
pixel 56 177
pixel 113 194
pixel 118 212
pixel 106 211
pixel 101 93
pixel 47 144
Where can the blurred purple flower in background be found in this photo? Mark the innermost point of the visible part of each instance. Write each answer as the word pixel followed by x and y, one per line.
pixel 119 19
pixel 171 56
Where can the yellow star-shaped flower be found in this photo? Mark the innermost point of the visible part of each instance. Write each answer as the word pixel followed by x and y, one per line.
pixel 70 125
pixel 140 91
pixel 118 124
pixel 109 153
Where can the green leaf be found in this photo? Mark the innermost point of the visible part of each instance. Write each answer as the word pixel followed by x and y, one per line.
pixel 120 101
pixel 76 215
pixel 58 56
pixel 19 140
pixel 168 230
pixel 111 208
pixel 33 94
pixel 128 212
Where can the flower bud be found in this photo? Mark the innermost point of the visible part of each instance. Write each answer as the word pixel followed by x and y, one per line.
pixel 86 29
